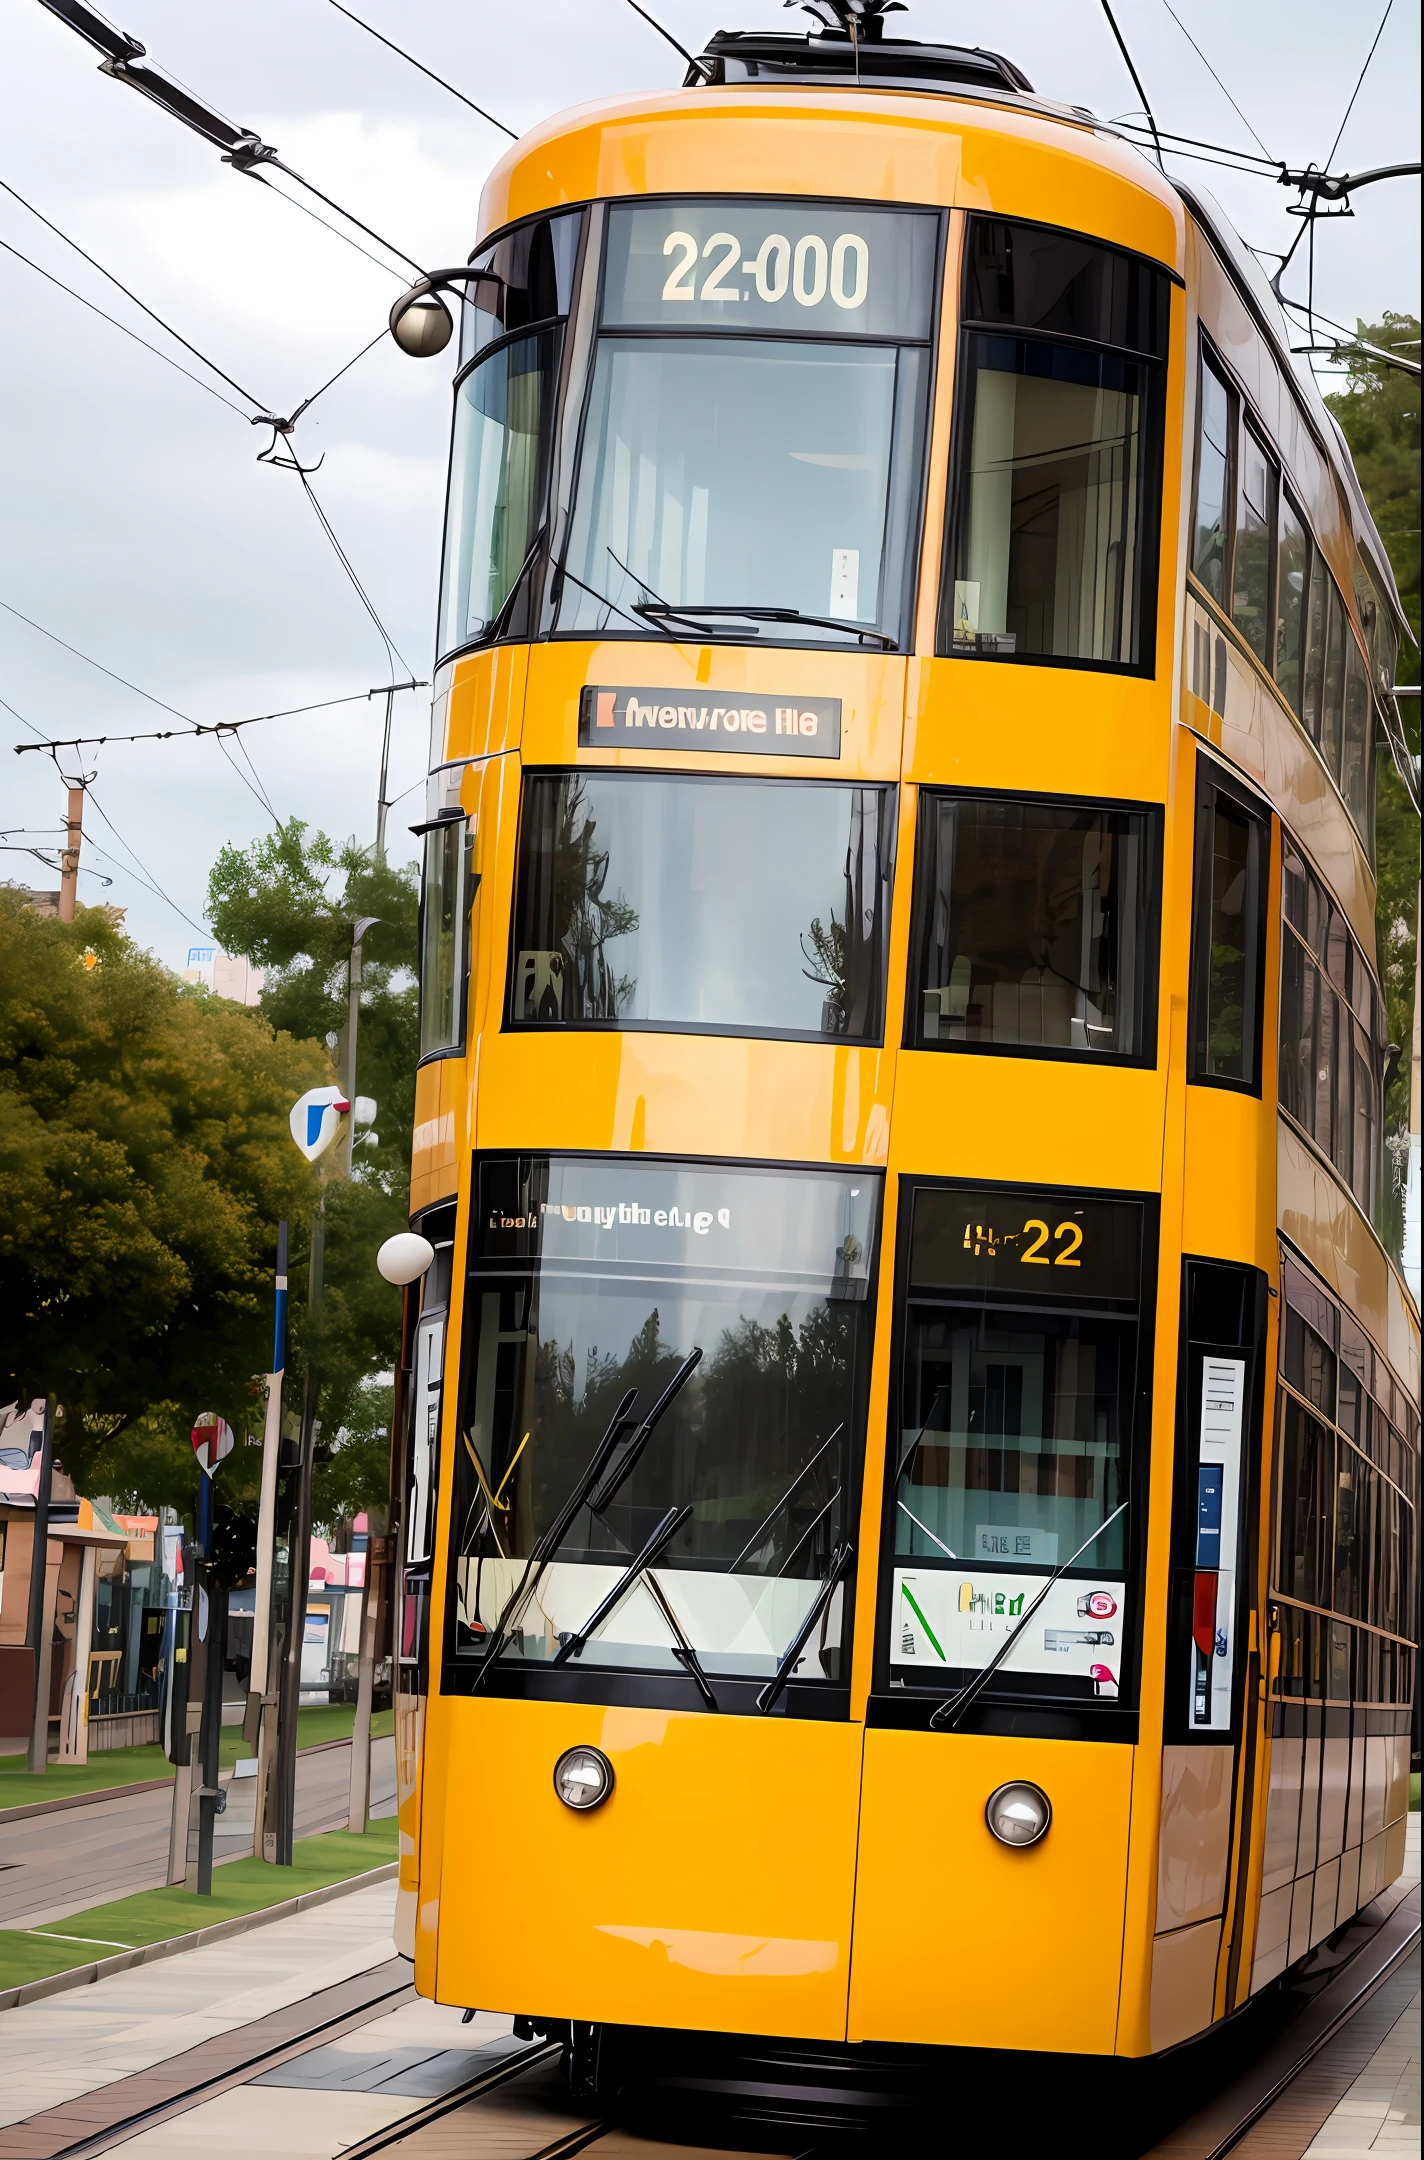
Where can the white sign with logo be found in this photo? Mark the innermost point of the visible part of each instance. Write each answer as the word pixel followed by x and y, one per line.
pixel 315 1119
pixel 950 1617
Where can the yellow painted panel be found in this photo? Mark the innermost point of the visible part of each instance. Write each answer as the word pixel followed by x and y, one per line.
pixel 685 1095
pixel 1028 1120
pixel 849 144
pixel 870 686
pixel 970 723
pixel 962 1942
pixel 712 1891
pixel 486 701
pixel 439 1131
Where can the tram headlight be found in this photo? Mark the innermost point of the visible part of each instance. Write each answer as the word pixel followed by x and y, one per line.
pixel 1018 1814
pixel 583 1778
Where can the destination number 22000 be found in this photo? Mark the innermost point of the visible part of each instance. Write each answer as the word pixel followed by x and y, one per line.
pixel 807 268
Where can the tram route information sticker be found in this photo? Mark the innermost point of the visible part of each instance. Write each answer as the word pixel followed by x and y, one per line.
pixel 944 1617
pixel 770 724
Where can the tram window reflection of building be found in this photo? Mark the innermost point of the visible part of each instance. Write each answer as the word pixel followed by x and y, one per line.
pixel 700 902
pixel 1333 1028
pixel 1036 926
pixel 1054 547
pixel 1233 852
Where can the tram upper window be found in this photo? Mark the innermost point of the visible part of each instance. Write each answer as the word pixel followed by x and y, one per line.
pixel 504 407
pixel 446 893
pixel 750 469
pixel 1255 521
pixel 526 278
pixel 590 1278
pixel 1015 1438
pixel 696 902
pixel 1035 927
pixel 1228 935
pixel 1216 439
pixel 1053 549
pixel 1292 589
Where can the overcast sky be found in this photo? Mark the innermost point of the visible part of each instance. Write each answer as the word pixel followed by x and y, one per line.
pixel 136 522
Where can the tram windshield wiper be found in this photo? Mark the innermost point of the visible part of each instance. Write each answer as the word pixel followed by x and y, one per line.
pixel 693 612
pixel 767 1520
pixel 652 1549
pixel 772 1692
pixel 600 1481
pixel 949 1713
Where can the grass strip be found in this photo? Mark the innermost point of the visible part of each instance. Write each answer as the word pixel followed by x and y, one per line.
pixel 151 1916
pixel 118 1767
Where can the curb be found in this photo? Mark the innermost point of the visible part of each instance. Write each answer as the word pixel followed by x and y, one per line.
pixel 221 1930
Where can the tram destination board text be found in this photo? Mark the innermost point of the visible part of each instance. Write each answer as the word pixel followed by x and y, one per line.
pixel 1051 1244
pixel 760 724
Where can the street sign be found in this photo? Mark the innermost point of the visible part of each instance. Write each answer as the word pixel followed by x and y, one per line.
pixel 212 1440
pixel 315 1118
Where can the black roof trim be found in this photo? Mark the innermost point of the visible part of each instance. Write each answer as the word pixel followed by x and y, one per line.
pixel 758 56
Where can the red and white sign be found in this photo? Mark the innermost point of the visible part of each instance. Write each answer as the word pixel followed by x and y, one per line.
pixel 212 1440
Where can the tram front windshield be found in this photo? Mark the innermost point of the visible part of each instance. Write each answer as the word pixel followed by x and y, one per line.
pixel 593 1277
pixel 755 420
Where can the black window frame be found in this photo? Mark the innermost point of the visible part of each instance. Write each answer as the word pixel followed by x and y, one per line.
pixel 469 881
pixel 916 455
pixel 888 792
pixel 1214 781
pixel 1001 1709
pixel 1154 817
pixel 1149 551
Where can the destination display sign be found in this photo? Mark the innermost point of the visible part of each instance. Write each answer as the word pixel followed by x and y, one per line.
pixel 738 263
pixel 770 724
pixel 1051 1245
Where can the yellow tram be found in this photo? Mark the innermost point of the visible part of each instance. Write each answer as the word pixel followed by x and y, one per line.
pixel 912 1430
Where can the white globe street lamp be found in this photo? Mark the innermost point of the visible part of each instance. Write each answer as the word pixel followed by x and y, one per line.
pixel 404 1257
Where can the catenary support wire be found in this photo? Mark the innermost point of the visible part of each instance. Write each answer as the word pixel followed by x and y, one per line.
pixel 411 61
pixel 1121 43
pixel 1186 33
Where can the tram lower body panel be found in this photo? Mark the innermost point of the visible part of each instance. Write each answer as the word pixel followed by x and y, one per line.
pixel 781 1876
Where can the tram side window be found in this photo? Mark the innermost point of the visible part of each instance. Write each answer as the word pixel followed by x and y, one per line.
pixel 1035 928
pixel 689 902
pixel 444 936
pixel 1255 524
pixel 1313 669
pixel 1331 1034
pixel 498 461
pixel 1292 598
pixel 1228 936
pixel 1053 549
pixel 1355 748
pixel 1216 440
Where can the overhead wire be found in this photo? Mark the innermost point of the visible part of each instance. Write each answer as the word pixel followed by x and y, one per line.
pixel 154 349
pixel 254 791
pixel 654 24
pixel 1359 86
pixel 326 224
pixel 145 875
pixel 1121 43
pixel 89 661
pixel 1186 33
pixel 411 60
pixel 393 651
pixel 128 294
pixel 202 727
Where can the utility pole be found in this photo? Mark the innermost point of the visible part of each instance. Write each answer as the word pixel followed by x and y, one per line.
pixel 41 1620
pixel 381 804
pixel 259 1725
pixel 353 1012
pixel 69 858
pixel 279 1825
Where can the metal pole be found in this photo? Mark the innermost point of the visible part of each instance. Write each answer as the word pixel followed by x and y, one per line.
pixel 381 804
pixel 299 1569
pixel 41 1627
pixel 199 1875
pixel 353 1010
pixel 69 858
pixel 259 1721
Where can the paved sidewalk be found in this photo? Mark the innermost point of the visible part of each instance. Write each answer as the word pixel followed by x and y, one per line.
pixel 70 2044
pixel 1380 2112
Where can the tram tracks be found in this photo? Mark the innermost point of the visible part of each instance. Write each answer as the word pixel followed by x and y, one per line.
pixel 515 2104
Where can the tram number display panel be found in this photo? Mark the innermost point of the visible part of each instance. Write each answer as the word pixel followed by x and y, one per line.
pixel 1015 1448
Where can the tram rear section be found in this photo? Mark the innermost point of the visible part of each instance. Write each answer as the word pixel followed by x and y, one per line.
pixel 911 1442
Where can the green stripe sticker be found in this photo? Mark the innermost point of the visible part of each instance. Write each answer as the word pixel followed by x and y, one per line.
pixel 910 1601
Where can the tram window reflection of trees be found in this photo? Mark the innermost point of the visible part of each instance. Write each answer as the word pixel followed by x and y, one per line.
pixel 683 901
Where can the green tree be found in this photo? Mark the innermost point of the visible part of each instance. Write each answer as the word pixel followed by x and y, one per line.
pixel 287 904
pixel 144 1163
pixel 1378 410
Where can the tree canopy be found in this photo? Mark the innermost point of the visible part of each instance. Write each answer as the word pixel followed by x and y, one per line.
pixel 144 1163
pixel 287 903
